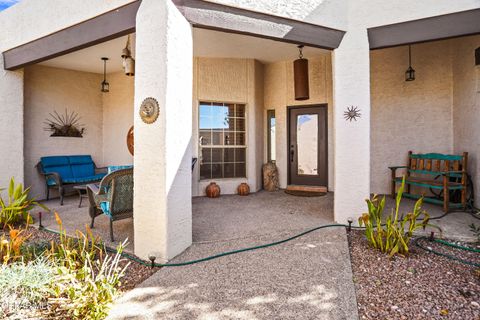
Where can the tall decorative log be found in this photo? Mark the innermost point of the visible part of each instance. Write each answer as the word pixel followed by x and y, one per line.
pixel 270 177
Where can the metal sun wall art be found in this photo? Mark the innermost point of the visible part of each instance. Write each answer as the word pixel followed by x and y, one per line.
pixel 352 113
pixel 149 110
pixel 65 125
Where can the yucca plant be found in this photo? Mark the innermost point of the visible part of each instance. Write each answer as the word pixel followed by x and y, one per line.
pixel 16 208
pixel 393 236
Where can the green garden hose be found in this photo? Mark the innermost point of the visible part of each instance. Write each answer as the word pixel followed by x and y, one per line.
pixel 223 254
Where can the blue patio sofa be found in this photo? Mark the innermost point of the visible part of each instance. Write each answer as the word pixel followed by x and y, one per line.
pixel 62 171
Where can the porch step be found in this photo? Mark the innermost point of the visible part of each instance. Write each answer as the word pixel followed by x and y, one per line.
pixel 307 188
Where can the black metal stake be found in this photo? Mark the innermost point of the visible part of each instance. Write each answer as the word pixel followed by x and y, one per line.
pixel 152 259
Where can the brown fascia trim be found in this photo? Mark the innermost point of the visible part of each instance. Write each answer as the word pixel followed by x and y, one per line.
pixel 210 15
pixel 121 21
pixel 442 27
pixel 107 26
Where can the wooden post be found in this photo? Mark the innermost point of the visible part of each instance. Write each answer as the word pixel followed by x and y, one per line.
pixel 409 161
pixel 393 182
pixel 464 179
pixel 446 195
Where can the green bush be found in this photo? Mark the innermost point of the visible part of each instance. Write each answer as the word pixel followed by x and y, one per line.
pixel 393 236
pixel 25 285
pixel 17 208
pixel 87 293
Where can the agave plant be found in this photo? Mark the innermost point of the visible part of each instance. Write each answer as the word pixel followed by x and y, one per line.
pixel 16 208
pixel 393 236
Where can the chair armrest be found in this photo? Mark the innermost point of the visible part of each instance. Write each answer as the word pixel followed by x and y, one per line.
pixel 397 167
pixel 55 176
pixel 101 169
pixel 94 188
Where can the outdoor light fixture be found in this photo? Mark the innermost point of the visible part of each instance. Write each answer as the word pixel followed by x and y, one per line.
pixel 410 73
pixel 300 76
pixel 128 61
pixel 105 84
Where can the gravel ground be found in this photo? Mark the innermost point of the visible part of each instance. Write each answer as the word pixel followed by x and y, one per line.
pixel 422 286
pixel 135 274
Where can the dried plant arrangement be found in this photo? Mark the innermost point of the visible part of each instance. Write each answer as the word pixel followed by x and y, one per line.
pixel 66 125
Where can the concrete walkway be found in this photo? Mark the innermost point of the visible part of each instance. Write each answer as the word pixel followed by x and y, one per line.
pixel 307 278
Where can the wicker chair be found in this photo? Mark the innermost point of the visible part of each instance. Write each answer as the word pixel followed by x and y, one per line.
pixel 112 197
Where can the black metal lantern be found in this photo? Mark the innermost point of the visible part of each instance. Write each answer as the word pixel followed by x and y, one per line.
pixel 410 73
pixel 105 84
pixel 300 76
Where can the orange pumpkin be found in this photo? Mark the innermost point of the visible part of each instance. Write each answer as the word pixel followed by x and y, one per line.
pixel 212 190
pixel 243 189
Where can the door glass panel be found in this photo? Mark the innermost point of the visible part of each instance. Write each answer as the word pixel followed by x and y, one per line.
pixel 307 144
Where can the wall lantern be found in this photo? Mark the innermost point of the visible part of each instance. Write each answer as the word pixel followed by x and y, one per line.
pixel 300 76
pixel 128 61
pixel 105 84
pixel 410 73
pixel 477 56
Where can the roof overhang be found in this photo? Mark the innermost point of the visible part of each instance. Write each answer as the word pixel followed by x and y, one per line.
pixel 200 13
pixel 428 29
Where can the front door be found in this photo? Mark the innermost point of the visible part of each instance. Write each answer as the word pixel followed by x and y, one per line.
pixel 307 145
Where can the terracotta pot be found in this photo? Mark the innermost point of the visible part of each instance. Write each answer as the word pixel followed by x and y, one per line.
pixel 243 189
pixel 212 190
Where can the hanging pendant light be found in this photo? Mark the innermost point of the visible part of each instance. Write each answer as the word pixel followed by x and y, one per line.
pixel 300 76
pixel 410 73
pixel 105 84
pixel 128 61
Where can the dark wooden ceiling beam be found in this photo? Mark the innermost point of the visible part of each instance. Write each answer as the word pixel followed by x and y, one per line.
pixel 423 30
pixel 200 13
pixel 110 25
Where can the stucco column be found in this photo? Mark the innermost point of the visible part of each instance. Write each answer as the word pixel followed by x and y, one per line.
pixel 351 81
pixel 162 193
pixel 11 126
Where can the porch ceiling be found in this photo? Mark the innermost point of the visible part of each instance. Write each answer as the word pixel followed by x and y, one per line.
pixel 206 43
pixel 423 30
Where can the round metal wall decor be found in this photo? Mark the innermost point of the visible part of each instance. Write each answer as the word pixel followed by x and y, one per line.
pixel 149 110
pixel 130 140
pixel 352 113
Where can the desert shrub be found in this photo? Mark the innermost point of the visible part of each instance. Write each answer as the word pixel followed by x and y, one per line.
pixel 475 230
pixel 16 208
pixel 393 236
pixel 87 293
pixel 11 246
pixel 25 285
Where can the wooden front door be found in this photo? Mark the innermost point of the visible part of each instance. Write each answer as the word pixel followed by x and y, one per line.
pixel 307 145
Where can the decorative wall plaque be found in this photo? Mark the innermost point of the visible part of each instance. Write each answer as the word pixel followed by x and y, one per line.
pixel 352 113
pixel 130 140
pixel 64 125
pixel 149 110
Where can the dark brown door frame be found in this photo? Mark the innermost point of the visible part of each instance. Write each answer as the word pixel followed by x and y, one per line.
pixel 323 105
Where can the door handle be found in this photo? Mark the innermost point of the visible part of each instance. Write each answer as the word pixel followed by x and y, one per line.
pixel 292 153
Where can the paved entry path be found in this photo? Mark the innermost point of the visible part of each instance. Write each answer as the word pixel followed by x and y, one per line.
pixel 307 278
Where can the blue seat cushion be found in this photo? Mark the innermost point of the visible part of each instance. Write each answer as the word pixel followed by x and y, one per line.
pixel 115 168
pixel 82 166
pixel 96 177
pixel 58 164
pixel 105 206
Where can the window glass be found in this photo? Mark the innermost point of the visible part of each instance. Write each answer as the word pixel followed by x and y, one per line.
pixel 222 140
pixel 271 135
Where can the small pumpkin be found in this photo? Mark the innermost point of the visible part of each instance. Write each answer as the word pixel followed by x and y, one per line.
pixel 243 189
pixel 212 190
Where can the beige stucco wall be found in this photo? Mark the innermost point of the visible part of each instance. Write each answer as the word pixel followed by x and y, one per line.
pixel 414 115
pixel 236 81
pixel 117 119
pixel 279 94
pixel 49 89
pixel 466 104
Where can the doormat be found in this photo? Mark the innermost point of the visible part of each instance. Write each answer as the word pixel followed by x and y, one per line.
pixel 303 193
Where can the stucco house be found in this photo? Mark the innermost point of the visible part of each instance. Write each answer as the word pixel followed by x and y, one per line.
pixel 208 61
